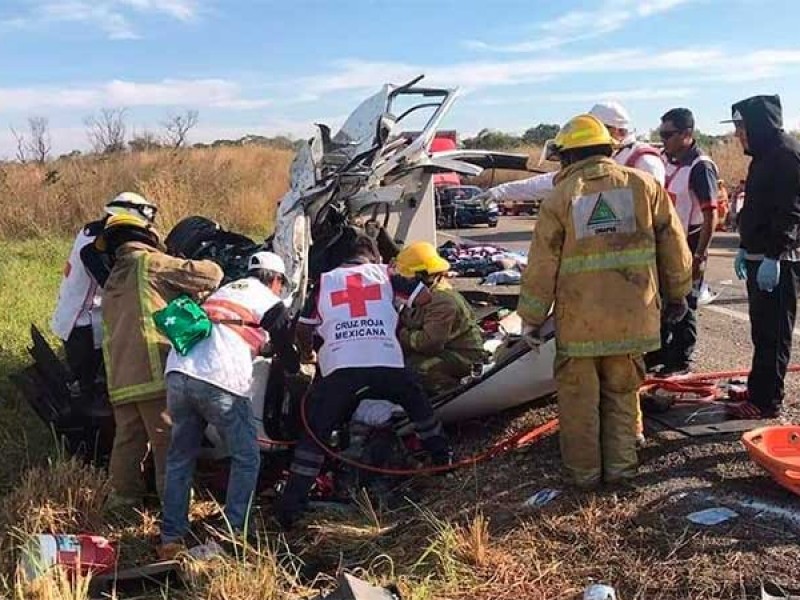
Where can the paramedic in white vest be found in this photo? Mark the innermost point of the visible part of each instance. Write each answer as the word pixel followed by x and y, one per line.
pixel 360 357
pixel 211 385
pixel 77 320
pixel 692 183
pixel 628 152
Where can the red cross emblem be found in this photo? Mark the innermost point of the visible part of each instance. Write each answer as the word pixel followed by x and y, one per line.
pixel 356 295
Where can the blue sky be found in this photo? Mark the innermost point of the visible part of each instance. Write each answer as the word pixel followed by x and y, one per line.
pixel 269 67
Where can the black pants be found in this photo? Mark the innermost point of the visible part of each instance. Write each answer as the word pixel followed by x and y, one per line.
pixel 679 340
pixel 85 362
pixel 91 409
pixel 772 317
pixel 333 401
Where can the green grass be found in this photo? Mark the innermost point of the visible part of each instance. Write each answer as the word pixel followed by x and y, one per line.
pixel 30 274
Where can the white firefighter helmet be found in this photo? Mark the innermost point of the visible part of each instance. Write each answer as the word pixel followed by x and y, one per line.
pixel 612 114
pixel 130 203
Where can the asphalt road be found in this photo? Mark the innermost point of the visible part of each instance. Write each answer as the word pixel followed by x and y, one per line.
pixel 724 325
pixel 514 233
pixel 679 475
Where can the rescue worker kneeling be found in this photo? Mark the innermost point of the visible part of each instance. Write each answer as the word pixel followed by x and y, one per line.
pixel 606 243
pixel 211 385
pixel 360 356
pixel 441 340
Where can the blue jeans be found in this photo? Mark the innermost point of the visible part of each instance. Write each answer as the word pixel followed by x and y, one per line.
pixel 191 405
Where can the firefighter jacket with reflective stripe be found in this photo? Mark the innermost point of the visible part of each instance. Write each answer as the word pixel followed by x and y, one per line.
pixel 143 281
pixel 79 296
pixel 607 245
pixel 446 323
pixel 225 358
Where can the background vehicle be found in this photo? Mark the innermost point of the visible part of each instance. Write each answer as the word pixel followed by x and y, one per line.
pixel 520 207
pixel 468 211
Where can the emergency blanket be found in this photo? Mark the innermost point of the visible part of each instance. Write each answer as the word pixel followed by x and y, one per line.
pixel 506 277
pixel 471 260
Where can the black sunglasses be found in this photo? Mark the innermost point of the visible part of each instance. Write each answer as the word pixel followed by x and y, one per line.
pixel 665 135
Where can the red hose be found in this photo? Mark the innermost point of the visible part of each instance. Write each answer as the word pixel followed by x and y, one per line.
pixel 691 392
pixel 700 387
pixel 698 383
pixel 714 375
pixel 518 440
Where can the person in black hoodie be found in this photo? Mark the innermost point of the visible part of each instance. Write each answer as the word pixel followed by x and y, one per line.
pixel 769 253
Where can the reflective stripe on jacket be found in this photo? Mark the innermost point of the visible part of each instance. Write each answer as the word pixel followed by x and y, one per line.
pixel 445 323
pixel 143 281
pixel 608 243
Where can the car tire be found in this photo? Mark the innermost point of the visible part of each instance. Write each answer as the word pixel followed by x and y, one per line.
pixel 189 234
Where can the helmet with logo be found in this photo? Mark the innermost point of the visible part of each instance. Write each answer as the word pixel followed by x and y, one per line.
pixel 583 131
pixel 420 257
pixel 130 203
pixel 123 228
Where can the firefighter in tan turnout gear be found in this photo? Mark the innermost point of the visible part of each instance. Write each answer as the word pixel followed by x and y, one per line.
pixel 143 279
pixel 441 340
pixel 607 243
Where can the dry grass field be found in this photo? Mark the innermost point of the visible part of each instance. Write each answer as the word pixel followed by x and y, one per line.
pixel 467 536
pixel 237 186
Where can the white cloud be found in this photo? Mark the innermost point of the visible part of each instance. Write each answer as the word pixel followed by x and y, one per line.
pixel 14 23
pixel 214 93
pixel 103 15
pixel 627 95
pixel 579 25
pixel 66 139
pixel 359 74
pixel 183 10
pixel 112 17
pixel 696 64
pixel 631 95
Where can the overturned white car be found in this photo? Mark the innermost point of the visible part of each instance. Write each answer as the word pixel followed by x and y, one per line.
pixel 370 176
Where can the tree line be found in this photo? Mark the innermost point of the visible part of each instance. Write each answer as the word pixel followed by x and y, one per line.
pixel 490 139
pixel 107 133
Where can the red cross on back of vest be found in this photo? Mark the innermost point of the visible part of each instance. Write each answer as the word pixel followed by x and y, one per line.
pixel 356 295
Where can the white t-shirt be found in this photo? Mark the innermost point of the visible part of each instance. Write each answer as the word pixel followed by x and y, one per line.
pixel 541 185
pixel 524 189
pixel 225 358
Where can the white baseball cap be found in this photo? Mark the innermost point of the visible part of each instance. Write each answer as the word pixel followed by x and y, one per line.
pixel 267 260
pixel 612 114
